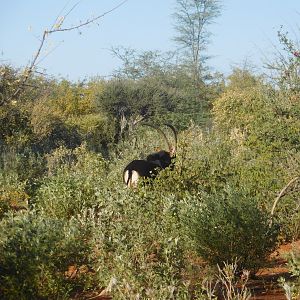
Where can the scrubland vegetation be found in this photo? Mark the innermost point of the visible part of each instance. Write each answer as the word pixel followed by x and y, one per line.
pixel 69 227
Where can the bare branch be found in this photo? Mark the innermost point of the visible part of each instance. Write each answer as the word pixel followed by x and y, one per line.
pixel 89 21
pixel 56 27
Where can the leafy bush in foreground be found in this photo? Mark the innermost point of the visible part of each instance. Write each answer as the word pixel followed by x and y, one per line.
pixel 35 254
pixel 140 245
pixel 230 226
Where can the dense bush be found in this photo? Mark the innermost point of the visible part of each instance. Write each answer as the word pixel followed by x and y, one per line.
pixel 35 254
pixel 15 127
pixel 145 258
pixel 50 130
pixel 229 226
pixel 262 125
pixel 20 174
pixel 140 245
pixel 12 193
pixel 76 178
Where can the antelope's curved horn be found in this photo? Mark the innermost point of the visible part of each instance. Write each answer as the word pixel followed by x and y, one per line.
pixel 175 136
pixel 163 134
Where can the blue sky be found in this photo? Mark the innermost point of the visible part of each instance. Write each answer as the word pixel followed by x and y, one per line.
pixel 246 30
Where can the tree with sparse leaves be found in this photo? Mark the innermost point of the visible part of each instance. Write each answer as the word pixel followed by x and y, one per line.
pixel 192 18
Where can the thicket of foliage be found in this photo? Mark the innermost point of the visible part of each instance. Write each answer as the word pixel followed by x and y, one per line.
pixel 69 227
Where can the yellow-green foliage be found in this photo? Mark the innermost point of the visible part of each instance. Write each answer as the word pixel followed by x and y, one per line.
pixel 44 119
pixel 95 128
pixel 69 116
pixel 69 99
pixel 263 118
pixel 14 129
pixel 243 106
pixel 262 126
pixel 12 193
pixel 241 79
pixel 240 109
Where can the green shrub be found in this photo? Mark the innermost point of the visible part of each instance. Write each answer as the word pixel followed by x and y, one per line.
pixel 35 254
pixel 139 244
pixel 12 193
pixel 15 128
pixel 229 226
pixel 51 130
pixel 75 179
pixel 20 176
pixel 97 130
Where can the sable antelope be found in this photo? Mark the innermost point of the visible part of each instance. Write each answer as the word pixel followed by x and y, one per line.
pixel 154 162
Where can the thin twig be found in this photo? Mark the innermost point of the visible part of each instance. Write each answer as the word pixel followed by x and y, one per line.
pixel 59 14
pixel 87 22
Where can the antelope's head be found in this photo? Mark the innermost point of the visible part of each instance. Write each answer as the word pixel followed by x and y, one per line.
pixel 164 156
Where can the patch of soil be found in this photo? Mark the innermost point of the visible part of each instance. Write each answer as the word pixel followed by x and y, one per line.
pixel 265 285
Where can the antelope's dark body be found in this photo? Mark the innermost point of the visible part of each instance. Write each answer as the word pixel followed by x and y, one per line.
pixel 139 168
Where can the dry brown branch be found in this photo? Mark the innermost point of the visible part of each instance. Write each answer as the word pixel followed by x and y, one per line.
pixel 87 22
pixel 282 193
pixel 56 27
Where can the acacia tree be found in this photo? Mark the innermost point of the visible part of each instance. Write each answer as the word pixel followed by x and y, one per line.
pixel 192 18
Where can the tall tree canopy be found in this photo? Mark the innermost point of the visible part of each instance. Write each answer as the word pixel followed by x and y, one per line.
pixel 192 18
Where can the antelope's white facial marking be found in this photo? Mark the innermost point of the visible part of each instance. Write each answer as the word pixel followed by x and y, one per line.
pixel 172 151
pixel 131 182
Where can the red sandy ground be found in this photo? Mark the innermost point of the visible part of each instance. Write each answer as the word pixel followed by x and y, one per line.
pixel 265 286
